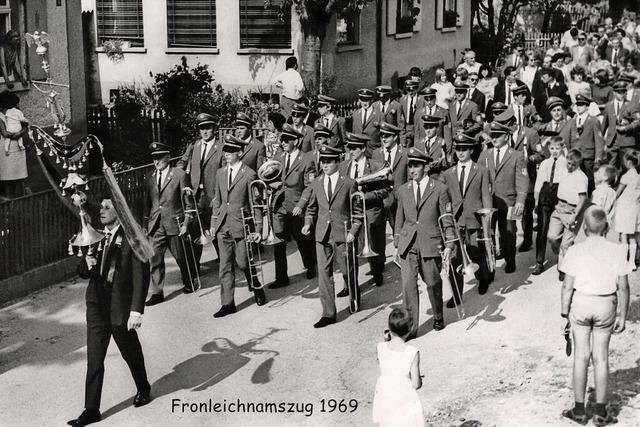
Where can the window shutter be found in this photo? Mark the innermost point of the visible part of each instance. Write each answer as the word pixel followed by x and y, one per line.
pixel 191 23
pixel 36 21
pixel 261 28
pixel 120 19
pixel 392 11
pixel 417 26
pixel 460 12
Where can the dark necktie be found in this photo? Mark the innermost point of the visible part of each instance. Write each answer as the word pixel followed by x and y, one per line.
pixel 459 109
pixel 556 125
pixel 497 157
pixel 418 194
pixel 287 164
pixel 411 110
pixel 462 181
pixel 203 155
pixel 389 157
pixel 329 189
pixel 614 57
pixel 553 171
pixel 326 122
pixel 355 172
pixel 230 177
pixel 159 182
pixel 508 95
pixel 105 251
pixel 520 116
pixel 431 111
pixel 364 117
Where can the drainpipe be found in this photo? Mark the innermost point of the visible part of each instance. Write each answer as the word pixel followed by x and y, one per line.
pixel 379 24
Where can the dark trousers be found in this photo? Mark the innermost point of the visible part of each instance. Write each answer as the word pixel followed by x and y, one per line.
pixel 292 226
pixel 544 215
pixel 162 241
pixel 617 158
pixel 507 229
pixel 326 253
pixel 587 168
pixel 99 332
pixel 390 210
pixel 377 243
pixel 429 270
pixel 527 219
pixel 477 254
pixel 231 250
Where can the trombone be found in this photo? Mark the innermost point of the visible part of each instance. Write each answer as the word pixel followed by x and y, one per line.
pixel 189 256
pixel 249 227
pixel 467 267
pixel 486 215
pixel 203 239
pixel 352 281
pixel 260 188
pixel 358 197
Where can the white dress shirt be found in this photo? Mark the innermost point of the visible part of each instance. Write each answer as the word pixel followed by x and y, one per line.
pixel 235 168
pixel 503 152
pixel 162 176
pixel 394 151
pixel 206 147
pixel 291 83
pixel 423 185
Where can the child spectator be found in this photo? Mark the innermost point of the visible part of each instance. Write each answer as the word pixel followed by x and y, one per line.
pixel 572 196
pixel 604 196
pixel 15 120
pixel 595 300
pixel 545 191
pixel 396 402
pixel 627 207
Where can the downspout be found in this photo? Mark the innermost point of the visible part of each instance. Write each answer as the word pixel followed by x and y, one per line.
pixel 378 42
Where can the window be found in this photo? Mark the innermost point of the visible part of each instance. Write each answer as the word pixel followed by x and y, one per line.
pixel 348 29
pixel 262 28
pixel 191 23
pixel 13 26
pixel 120 19
pixel 449 14
pixel 404 18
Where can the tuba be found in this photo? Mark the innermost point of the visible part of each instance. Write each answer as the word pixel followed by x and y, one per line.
pixel 269 171
pixel 467 267
pixel 486 215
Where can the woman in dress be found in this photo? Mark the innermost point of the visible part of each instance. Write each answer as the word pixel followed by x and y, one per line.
pixel 396 402
pixel 487 82
pixel 625 218
pixel 13 165
pixel 529 71
pixel 601 90
pixel 578 84
pixel 444 89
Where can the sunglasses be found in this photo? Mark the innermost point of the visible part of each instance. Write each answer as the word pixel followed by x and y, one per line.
pixel 473 80
pixel 581 39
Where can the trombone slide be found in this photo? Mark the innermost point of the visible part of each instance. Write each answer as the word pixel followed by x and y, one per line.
pixel 352 279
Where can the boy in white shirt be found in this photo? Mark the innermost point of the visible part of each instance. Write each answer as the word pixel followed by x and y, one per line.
pixel 572 196
pixel 595 301
pixel 604 195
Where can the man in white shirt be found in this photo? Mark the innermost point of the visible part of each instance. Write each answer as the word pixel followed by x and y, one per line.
pixel 595 303
pixel 291 84
pixel 572 195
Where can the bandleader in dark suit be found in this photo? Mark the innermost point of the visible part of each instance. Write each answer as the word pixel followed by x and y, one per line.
pixel 329 209
pixel 509 184
pixel 366 120
pixel 230 202
pixel 417 236
pixel 118 284
pixel 409 104
pixel 165 202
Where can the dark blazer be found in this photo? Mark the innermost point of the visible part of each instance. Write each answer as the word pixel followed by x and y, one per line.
pixel 229 202
pixel 499 93
pixel 254 154
pixel 568 131
pixel 612 136
pixel 128 289
pixel 529 113
pixel 163 208
pixel 590 138
pixel 622 55
pixel 404 113
pixel 479 98
pixel 527 142
pixel 301 172
pixel 509 180
pixel 371 128
pixel 337 126
pixel 308 139
pixel 561 91
pixel 392 114
pixel 399 171
pixel 439 152
pixel 469 110
pixel 374 194
pixel 477 194
pixel 418 128
pixel 434 202
pixel 190 163
pixel 330 216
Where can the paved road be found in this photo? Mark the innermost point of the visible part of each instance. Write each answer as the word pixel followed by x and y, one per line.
pixel 503 364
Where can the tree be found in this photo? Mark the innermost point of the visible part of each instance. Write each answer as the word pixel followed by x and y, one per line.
pixel 314 17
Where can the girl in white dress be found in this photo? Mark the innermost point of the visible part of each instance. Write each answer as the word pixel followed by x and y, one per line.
pixel 627 206
pixel 396 402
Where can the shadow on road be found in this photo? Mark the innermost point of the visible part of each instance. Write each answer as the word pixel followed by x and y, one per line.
pixel 624 386
pixel 220 358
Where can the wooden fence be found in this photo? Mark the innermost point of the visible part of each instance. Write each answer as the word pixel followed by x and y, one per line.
pixel 539 41
pixel 35 229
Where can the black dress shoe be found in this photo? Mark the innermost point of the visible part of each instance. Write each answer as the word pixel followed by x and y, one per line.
pixel 225 310
pixel 483 287
pixel 561 276
pixel 369 273
pixel 155 299
pixel 88 416
pixel 343 293
pixel 452 303
pixel 141 399
pixel 378 280
pixel 538 269
pixel 324 321
pixel 259 296
pixel 525 247
pixel 510 267
pixel 438 324
pixel 279 284
pixel 311 273
pixel 186 289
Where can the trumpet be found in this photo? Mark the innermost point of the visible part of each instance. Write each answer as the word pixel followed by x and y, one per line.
pixel 248 222
pixel 265 194
pixel 486 215
pixel 189 256
pixel 358 197
pixel 467 267
pixel 203 239
pixel 352 281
